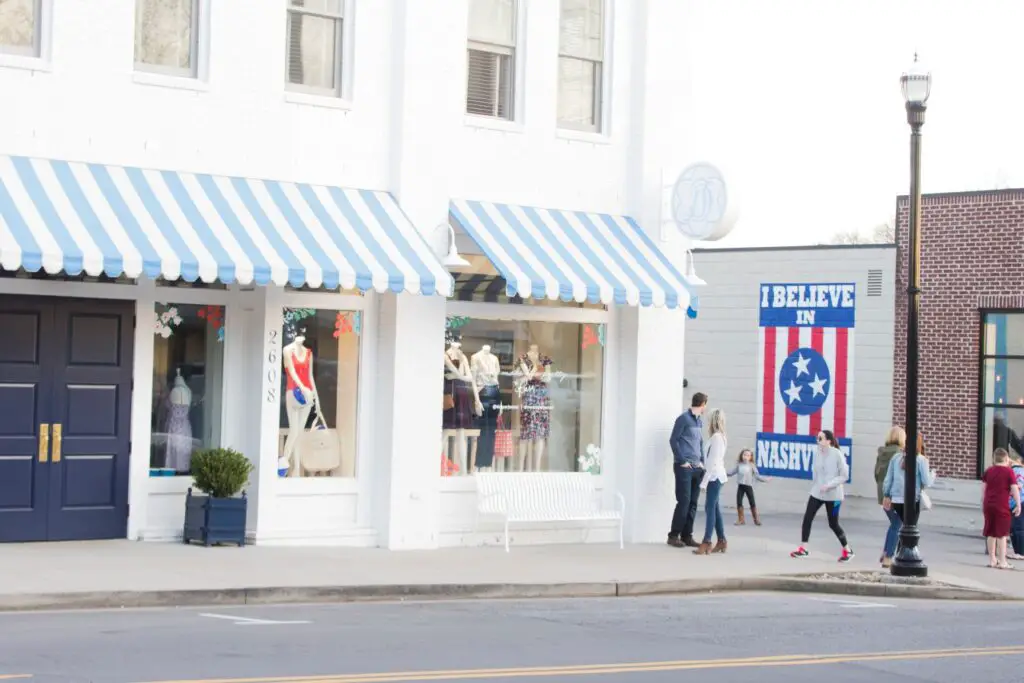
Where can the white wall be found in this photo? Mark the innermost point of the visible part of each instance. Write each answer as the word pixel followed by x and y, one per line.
pixel 400 127
pixel 722 347
pixel 405 97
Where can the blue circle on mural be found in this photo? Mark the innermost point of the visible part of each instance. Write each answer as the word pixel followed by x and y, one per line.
pixel 805 381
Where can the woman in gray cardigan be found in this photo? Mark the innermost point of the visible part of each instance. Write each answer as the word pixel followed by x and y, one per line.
pixel 830 472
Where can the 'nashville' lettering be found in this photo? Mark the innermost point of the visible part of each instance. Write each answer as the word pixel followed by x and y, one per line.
pixel 782 455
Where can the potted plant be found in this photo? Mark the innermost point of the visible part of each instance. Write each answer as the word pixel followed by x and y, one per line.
pixel 219 516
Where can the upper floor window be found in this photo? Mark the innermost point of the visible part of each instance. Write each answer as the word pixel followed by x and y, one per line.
pixel 20 27
pixel 491 58
pixel 581 64
pixel 1002 384
pixel 315 32
pixel 167 36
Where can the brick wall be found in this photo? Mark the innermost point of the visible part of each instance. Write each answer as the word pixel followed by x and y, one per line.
pixel 972 257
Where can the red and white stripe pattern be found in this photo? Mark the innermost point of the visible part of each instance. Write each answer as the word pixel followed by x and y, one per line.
pixel 836 346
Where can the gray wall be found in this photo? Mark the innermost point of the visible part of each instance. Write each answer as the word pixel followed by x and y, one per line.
pixel 721 351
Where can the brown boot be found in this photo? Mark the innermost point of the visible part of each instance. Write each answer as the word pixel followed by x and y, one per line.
pixel 675 542
pixel 703 549
pixel 720 546
pixel 741 518
pixel 690 543
pixel 757 517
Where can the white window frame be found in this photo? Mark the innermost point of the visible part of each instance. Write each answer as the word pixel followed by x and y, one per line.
pixel 343 54
pixel 602 108
pixel 36 58
pixel 197 48
pixel 556 314
pixel 513 51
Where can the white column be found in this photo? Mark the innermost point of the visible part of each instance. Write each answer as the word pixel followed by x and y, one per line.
pixel 650 341
pixel 142 409
pixel 426 114
pixel 407 470
pixel 266 321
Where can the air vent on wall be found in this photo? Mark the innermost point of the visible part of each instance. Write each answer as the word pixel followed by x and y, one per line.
pixel 874 283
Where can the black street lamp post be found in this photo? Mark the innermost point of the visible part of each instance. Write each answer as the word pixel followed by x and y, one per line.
pixel 916 84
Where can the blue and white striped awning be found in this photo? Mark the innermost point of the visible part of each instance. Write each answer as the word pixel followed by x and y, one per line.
pixel 574 256
pixel 114 220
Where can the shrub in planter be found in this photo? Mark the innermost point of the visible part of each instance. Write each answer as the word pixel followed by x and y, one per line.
pixel 219 516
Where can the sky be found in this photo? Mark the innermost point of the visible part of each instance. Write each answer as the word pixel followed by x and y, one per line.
pixel 799 102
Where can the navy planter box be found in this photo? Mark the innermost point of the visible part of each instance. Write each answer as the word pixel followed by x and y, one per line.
pixel 214 520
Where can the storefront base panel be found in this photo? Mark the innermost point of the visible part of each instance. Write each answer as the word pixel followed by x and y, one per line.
pixel 349 538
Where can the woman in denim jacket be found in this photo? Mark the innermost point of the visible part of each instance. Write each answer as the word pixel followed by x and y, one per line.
pixel 893 489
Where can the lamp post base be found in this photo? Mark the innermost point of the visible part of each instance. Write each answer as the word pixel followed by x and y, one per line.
pixel 908 562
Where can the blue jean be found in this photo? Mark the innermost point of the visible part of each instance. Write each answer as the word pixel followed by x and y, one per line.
pixel 1017 535
pixel 713 512
pixel 892 534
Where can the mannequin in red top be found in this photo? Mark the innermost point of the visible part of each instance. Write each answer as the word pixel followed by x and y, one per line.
pixel 300 398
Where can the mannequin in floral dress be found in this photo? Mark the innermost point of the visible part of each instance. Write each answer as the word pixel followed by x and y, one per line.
pixel 535 410
pixel 178 428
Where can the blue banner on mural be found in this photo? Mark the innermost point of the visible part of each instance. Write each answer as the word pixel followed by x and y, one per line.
pixel 808 305
pixel 791 456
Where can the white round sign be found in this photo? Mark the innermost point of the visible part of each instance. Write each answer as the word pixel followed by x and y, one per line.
pixel 700 202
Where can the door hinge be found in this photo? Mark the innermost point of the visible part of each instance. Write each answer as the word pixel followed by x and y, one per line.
pixel 135 321
pixel 133 385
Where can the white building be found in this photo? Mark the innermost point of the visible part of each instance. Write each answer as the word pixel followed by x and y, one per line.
pixel 760 310
pixel 232 160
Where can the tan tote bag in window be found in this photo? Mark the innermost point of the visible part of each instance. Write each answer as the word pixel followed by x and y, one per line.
pixel 320 447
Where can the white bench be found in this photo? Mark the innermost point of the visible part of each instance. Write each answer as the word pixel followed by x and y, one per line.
pixel 544 497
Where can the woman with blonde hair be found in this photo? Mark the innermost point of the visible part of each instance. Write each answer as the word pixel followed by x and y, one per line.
pixel 893 491
pixel 895 442
pixel 715 476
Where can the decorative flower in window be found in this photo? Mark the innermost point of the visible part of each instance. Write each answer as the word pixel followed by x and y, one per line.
pixel 291 318
pixel 593 334
pixel 348 322
pixel 215 316
pixel 165 319
pixel 590 461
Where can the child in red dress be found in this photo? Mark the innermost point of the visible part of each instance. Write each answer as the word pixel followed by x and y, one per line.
pixel 998 485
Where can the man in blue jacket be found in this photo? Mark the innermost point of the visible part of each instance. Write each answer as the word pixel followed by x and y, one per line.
pixel 687 442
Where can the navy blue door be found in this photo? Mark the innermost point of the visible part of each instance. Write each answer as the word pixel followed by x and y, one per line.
pixel 65 377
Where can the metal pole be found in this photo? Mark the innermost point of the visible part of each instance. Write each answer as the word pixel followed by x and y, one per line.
pixel 907 561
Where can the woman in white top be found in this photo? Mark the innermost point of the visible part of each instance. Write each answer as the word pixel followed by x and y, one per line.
pixel 714 479
pixel 830 472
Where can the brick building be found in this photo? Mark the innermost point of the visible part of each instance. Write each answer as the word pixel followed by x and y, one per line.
pixel 972 326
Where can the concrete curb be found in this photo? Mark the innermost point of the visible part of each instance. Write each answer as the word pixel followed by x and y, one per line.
pixel 426 592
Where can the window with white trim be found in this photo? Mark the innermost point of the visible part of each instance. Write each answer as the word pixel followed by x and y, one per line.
pixel 581 64
pixel 167 37
pixel 20 27
pixel 315 37
pixel 491 58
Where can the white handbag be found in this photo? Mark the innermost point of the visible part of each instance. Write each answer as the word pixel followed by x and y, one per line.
pixel 319 447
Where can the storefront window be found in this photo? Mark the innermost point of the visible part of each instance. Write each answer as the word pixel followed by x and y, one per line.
pixel 319 383
pixel 521 396
pixel 1002 378
pixel 188 372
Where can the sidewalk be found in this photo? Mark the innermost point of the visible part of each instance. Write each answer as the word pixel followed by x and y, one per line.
pixel 36 575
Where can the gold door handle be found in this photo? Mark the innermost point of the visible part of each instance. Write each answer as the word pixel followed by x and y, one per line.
pixel 55 453
pixel 44 442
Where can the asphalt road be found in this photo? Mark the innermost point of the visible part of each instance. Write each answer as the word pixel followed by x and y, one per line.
pixel 735 637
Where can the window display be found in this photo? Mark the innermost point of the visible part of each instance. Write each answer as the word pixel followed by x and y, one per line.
pixel 319 378
pixel 521 396
pixel 1002 394
pixel 188 371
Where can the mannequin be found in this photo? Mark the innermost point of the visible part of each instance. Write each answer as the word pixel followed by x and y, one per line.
pixel 178 427
pixel 486 367
pixel 460 385
pixel 300 398
pixel 535 417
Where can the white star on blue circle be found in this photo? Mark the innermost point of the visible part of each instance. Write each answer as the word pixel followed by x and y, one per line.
pixel 805 381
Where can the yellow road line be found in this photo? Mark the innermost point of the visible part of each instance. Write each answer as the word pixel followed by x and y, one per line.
pixel 8 677
pixel 637 667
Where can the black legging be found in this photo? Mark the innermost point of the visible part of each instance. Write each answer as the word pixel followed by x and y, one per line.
pixel 745 490
pixel 831 509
